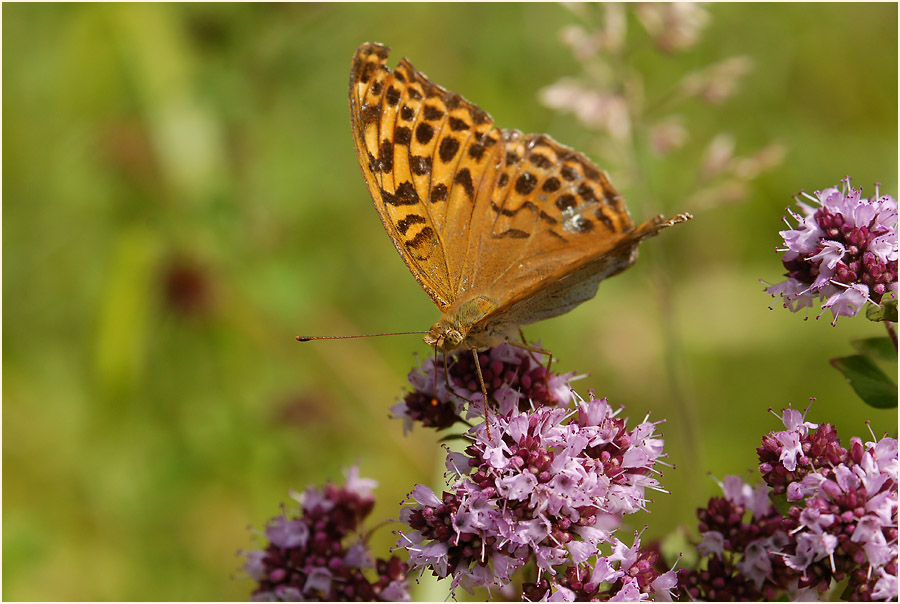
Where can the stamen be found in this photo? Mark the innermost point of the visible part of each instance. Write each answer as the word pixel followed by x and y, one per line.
pixel 869 426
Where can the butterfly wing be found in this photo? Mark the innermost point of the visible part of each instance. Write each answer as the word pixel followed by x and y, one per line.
pixel 523 222
pixel 411 137
pixel 558 229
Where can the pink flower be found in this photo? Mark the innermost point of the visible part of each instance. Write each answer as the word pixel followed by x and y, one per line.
pixel 841 254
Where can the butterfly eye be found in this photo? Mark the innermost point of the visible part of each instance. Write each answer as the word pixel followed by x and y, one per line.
pixel 454 338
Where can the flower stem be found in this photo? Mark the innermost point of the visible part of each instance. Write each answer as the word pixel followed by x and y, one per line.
pixel 673 347
pixel 892 333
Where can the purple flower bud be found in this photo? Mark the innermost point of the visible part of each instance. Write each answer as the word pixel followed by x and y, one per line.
pixel 831 489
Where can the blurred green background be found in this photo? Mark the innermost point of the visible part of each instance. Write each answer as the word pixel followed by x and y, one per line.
pixel 182 197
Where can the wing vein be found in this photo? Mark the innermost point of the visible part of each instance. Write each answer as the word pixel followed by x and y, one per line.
pixel 469 229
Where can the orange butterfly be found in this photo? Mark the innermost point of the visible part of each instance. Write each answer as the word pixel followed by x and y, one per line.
pixel 499 228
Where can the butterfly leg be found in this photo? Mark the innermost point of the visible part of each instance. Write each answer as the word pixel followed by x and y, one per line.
pixel 535 349
pixel 483 392
pixel 452 391
pixel 446 373
pixel 447 383
pixel 434 397
pixel 524 345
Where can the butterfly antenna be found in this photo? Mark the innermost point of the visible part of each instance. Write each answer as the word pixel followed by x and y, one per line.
pixel 434 398
pixel 368 335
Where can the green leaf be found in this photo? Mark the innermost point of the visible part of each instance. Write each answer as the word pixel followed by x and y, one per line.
pixel 886 312
pixel 678 544
pixel 876 348
pixel 782 505
pixel 872 385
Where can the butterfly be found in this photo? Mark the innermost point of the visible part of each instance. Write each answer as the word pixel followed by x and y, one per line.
pixel 501 229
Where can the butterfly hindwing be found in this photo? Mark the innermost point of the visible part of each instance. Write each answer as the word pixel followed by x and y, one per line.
pixel 550 208
pixel 564 228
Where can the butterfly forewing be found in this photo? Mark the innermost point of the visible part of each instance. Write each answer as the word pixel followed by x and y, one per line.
pixel 395 151
pixel 425 152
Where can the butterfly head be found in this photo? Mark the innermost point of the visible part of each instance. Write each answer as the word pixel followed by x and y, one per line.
pixel 465 325
pixel 444 337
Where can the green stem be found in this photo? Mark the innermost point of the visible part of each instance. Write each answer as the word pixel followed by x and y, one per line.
pixel 891 332
pixel 678 375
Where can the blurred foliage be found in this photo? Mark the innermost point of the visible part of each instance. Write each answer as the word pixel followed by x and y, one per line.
pixel 182 198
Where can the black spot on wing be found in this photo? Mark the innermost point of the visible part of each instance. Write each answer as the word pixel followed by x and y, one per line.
pixel 564 202
pixel 464 178
pixel 540 160
pixel 432 113
pixel 392 96
pixel 369 114
pixel 478 115
pixel 403 225
pixel 502 211
pixel 510 212
pixel 606 220
pixel 403 136
pixel 476 151
pixel 457 124
pixel 424 133
pixel 557 235
pixel 512 234
pixel 590 172
pixel 420 165
pixel 386 160
pixel 526 183
pixel 366 73
pixel 448 148
pixel 405 195
pixel 422 237
pixel 582 225
pixel 439 193
pixel 551 184
pixel 586 192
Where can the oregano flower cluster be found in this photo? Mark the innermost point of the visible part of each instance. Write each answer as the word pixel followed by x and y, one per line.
pixel 542 487
pixel 513 377
pixel 838 525
pixel 842 252
pixel 319 555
